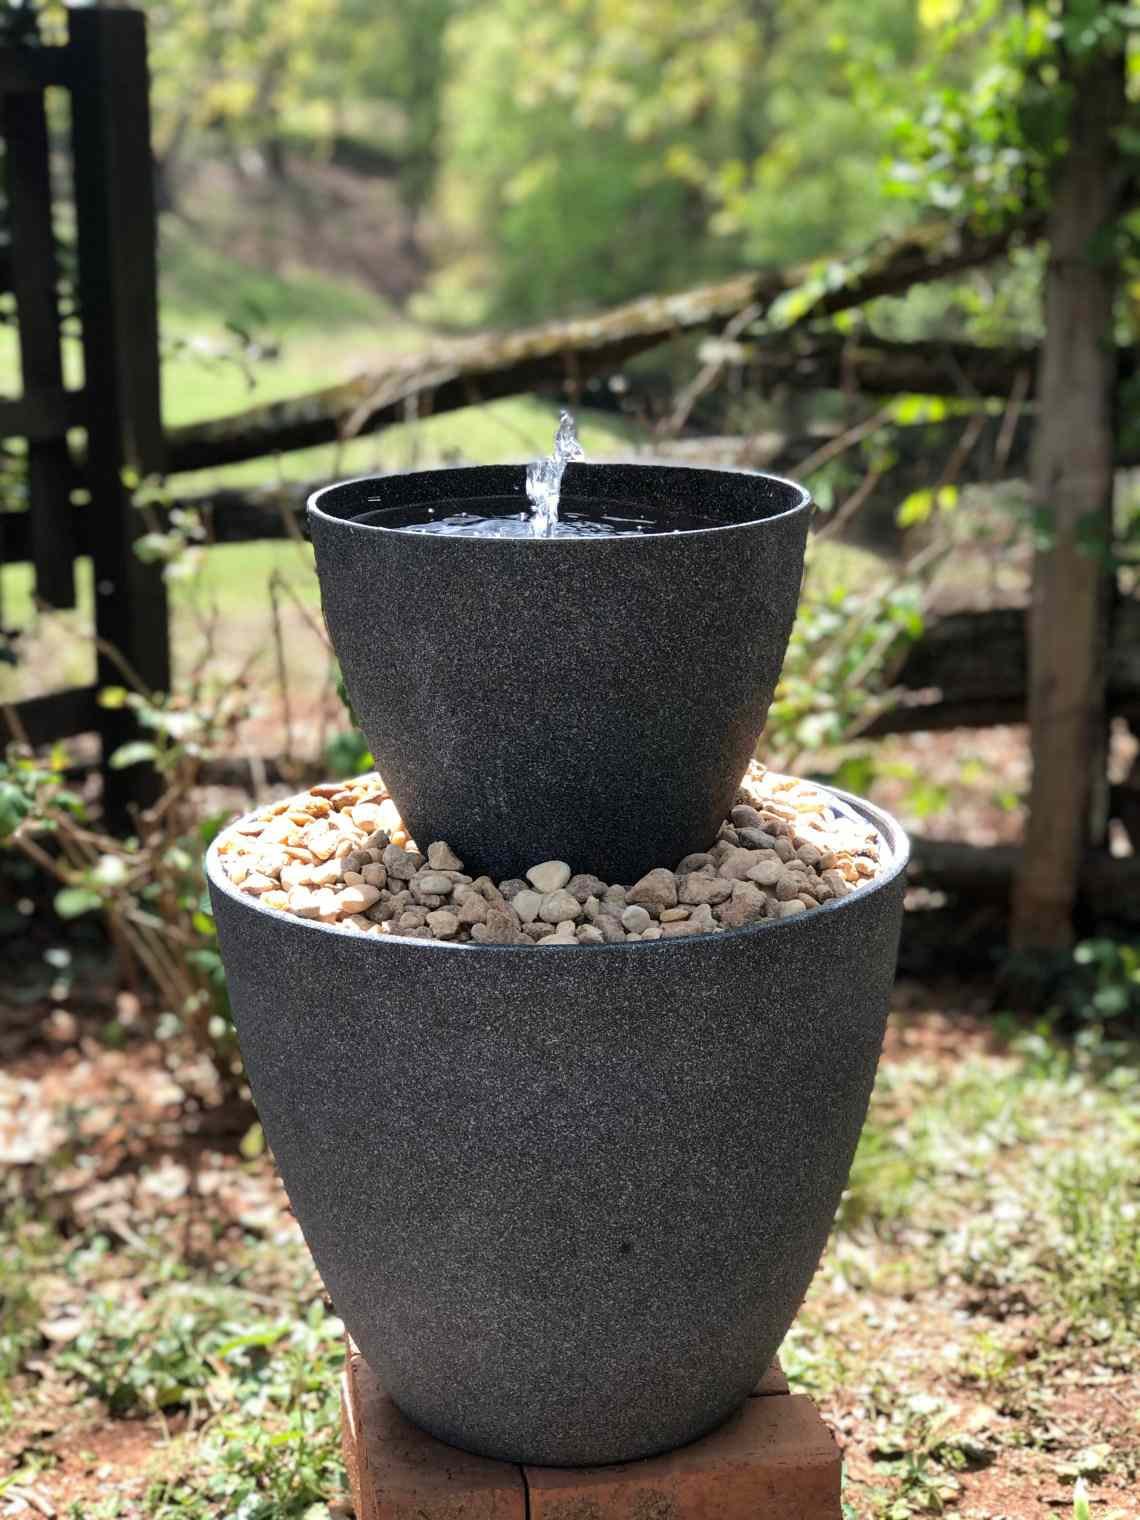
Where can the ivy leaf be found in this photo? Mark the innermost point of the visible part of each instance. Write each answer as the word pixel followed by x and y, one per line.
pixel 73 901
pixel 132 754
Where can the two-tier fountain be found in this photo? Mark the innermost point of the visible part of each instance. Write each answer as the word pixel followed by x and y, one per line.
pixel 563 1032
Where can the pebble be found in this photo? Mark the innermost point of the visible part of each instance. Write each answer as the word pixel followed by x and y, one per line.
pixel 340 854
pixel 527 905
pixel 549 876
pixel 441 857
pixel 697 888
pixel 698 862
pixel 656 889
pixel 400 865
pixel 559 907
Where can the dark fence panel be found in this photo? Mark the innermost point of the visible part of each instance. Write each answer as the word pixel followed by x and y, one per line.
pixel 104 68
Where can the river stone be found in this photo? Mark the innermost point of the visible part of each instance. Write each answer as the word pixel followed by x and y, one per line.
pixel 636 919
pixel 748 905
pixel 698 888
pixel 441 857
pixel 549 876
pixel 527 904
pixel 700 861
pixel 736 863
pixel 656 889
pixel 557 907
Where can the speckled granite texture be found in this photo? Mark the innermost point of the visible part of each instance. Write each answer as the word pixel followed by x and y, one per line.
pixel 637 671
pixel 567 1201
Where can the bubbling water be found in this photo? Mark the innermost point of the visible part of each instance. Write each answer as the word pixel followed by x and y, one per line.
pixel 544 491
pixel 544 477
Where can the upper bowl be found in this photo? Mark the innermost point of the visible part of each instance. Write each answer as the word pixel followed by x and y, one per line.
pixel 635 670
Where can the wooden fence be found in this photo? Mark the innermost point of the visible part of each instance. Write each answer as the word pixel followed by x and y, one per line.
pixel 102 79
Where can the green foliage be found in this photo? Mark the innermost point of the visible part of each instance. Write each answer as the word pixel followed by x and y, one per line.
pixel 149 887
pixel 598 150
pixel 836 676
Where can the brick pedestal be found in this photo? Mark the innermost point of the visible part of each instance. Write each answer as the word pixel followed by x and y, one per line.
pixel 773 1460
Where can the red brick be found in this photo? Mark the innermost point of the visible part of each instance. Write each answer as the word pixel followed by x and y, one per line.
pixel 772 1382
pixel 399 1472
pixel 773 1460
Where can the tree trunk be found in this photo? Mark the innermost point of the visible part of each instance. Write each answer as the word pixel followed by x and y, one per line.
pixel 1072 478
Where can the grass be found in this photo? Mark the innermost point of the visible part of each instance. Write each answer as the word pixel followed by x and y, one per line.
pixel 971 1333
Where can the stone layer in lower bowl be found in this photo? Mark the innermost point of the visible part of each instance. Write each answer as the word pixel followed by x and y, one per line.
pixel 567 1203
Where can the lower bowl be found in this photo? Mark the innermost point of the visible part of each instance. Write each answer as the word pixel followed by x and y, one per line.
pixel 567 1201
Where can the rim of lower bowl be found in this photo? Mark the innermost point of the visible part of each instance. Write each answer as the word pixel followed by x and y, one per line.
pixel 890 831
pixel 314 508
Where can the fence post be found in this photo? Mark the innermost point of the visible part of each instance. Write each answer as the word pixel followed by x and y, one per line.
pixel 35 284
pixel 118 297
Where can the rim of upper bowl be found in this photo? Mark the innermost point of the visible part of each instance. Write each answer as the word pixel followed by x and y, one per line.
pixel 314 506
pixel 887 826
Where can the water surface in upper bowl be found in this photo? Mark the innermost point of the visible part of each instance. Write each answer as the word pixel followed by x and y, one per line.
pixel 501 517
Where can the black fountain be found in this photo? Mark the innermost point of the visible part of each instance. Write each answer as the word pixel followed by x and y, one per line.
pixel 567 1198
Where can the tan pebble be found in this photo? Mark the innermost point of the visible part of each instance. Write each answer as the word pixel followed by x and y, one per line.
pixel 550 876
pixel 375 875
pixel 679 930
pixel 864 868
pixel 238 870
pixel 414 918
pixel 789 909
pixel 441 857
pixel 527 905
pixel 325 790
pixel 837 882
pixel 357 899
pixel 473 909
pixel 327 874
pixel 390 816
pixel 343 850
pixel 352 878
pixel 588 935
pixel 766 873
pixel 365 925
pixel 559 907
pixel 808 900
pixel 654 931
pixel 443 923
pixel 278 900
pixel 699 888
pixel 303 903
pixel 256 884
pixel 322 845
pixel 434 882
pixel 367 816
pixel 784 848
pixel 674 915
pixel 328 907
pixel 539 930
pixel 343 799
